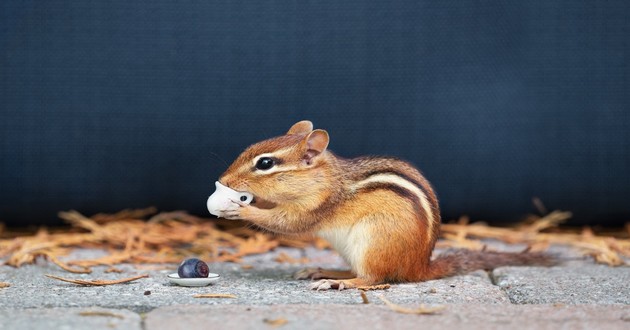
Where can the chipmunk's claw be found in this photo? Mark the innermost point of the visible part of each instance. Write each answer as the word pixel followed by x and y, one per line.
pixel 239 203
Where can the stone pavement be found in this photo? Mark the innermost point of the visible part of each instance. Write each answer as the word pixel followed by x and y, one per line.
pixel 575 295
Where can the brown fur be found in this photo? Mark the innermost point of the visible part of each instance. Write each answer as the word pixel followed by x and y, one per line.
pixel 459 262
pixel 311 190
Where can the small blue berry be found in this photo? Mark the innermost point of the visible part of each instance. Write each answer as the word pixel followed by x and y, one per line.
pixel 193 267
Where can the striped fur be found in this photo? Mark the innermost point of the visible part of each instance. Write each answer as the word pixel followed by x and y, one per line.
pixel 379 213
pixel 403 187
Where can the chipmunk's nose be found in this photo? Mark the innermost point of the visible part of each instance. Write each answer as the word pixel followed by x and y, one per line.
pixel 232 182
pixel 226 180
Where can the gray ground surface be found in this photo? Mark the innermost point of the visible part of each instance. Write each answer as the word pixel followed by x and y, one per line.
pixel 577 294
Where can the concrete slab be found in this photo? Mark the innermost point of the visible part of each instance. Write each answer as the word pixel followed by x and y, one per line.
pixel 69 318
pixel 268 282
pixel 372 316
pixel 266 291
pixel 576 282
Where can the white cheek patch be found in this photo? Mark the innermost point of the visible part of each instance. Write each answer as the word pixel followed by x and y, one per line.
pixel 223 197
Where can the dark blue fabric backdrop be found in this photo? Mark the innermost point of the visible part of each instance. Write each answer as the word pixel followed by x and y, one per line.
pixel 114 104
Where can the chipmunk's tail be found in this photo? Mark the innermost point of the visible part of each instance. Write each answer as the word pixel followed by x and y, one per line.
pixel 460 262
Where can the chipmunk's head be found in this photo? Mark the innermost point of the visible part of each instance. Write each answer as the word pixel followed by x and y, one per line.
pixel 282 168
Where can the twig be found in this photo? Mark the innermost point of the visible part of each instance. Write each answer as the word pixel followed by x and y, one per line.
pixel 214 295
pixel 283 257
pixel 276 323
pixel 364 297
pixel 96 313
pixel 98 282
pixel 64 266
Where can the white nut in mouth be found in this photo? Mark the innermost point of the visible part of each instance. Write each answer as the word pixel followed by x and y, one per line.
pixel 223 197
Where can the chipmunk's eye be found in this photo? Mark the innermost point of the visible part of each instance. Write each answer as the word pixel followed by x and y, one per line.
pixel 265 163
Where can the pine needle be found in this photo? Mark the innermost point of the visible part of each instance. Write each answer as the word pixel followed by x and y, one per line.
pixel 214 295
pixel 364 297
pixel 96 313
pixel 276 322
pixel 97 282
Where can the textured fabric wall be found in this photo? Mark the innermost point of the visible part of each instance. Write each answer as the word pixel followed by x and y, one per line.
pixel 113 104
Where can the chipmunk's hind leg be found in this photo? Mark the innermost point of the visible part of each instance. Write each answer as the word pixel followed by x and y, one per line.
pixel 317 273
pixel 342 284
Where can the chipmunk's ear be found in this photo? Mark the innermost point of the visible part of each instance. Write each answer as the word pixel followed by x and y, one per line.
pixel 314 144
pixel 302 127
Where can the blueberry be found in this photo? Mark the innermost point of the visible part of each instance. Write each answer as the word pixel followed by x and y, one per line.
pixel 193 267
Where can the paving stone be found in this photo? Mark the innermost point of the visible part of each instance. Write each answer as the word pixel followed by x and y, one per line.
pixel 68 318
pixel 372 316
pixel 267 291
pixel 268 282
pixel 575 282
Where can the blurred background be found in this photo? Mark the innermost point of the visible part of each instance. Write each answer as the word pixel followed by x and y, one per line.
pixel 107 105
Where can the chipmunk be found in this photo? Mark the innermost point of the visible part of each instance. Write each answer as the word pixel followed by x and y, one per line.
pixel 379 213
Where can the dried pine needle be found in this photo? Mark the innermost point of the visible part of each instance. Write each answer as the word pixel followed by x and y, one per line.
pixel 364 297
pixel 97 313
pixel 169 237
pixel 53 259
pixel 166 238
pixel 422 310
pixel 125 214
pixel 4 285
pixel 285 258
pixel 214 295
pixel 113 269
pixel 604 249
pixel 97 282
pixel 276 322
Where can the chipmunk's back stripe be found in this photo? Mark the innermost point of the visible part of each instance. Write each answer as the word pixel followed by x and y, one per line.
pixel 402 175
pixel 404 187
pixel 424 187
pixel 400 191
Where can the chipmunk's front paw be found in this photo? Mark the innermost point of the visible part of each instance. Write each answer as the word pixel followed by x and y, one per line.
pixel 231 214
pixel 242 211
pixel 237 211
